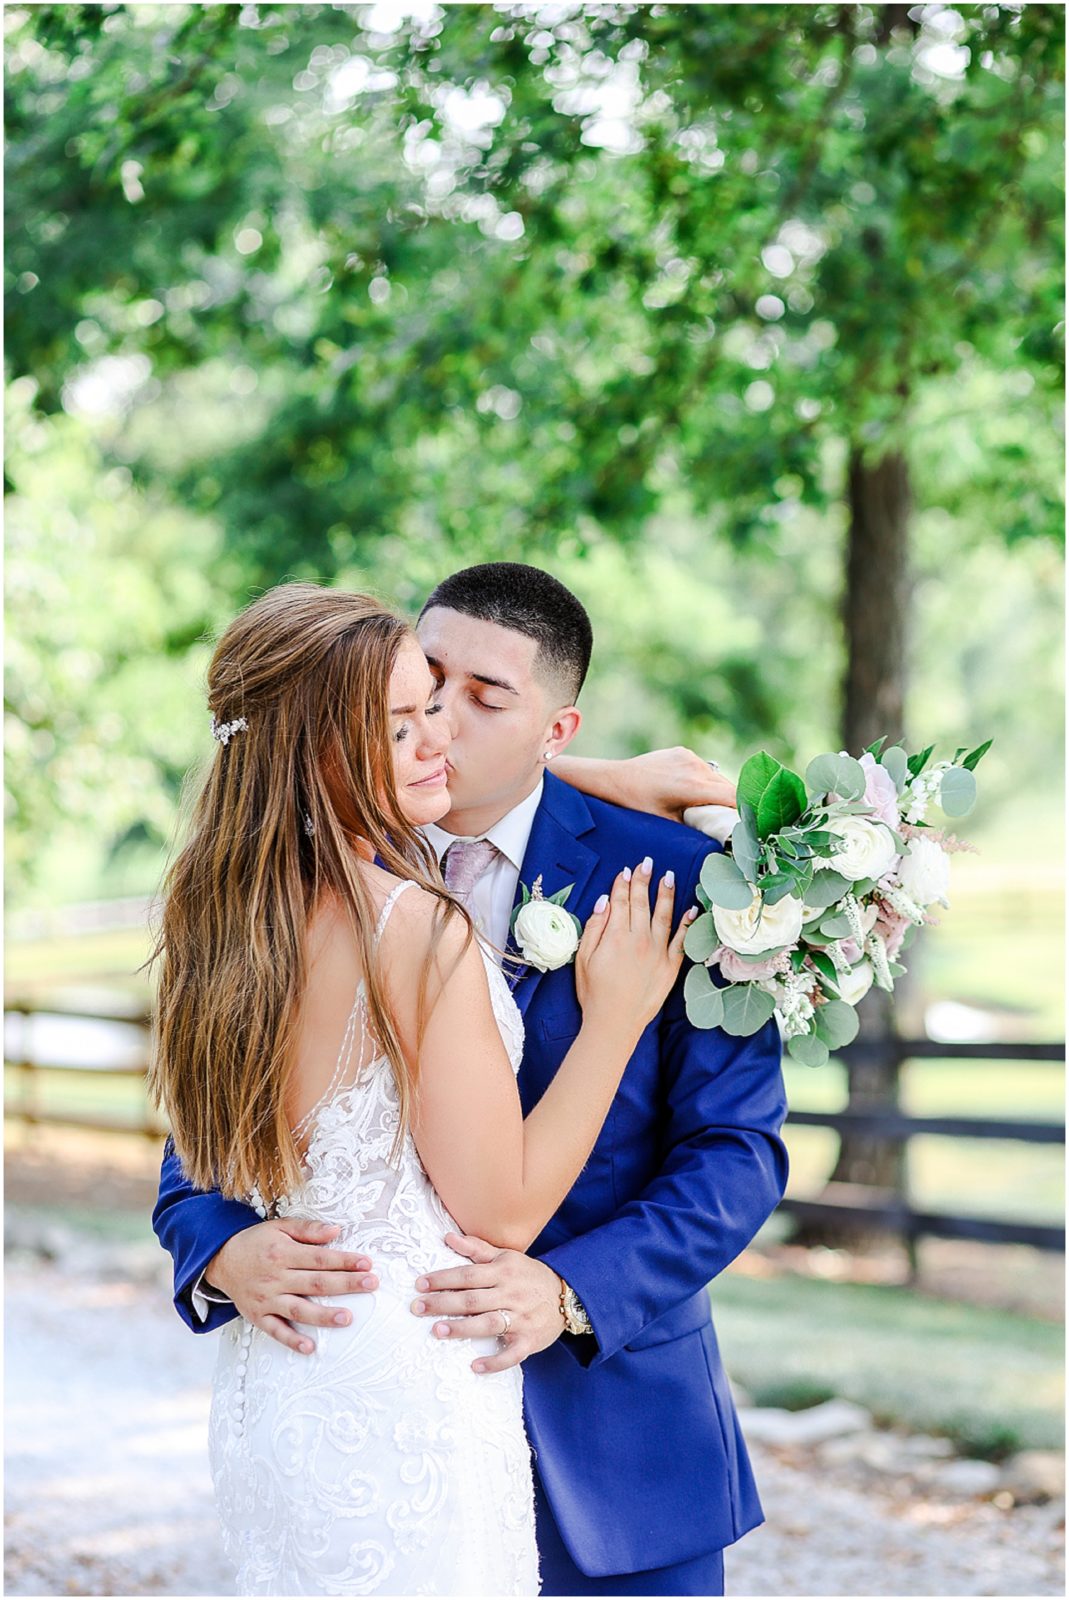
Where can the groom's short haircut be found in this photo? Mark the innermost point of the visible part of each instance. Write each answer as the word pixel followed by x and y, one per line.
pixel 531 602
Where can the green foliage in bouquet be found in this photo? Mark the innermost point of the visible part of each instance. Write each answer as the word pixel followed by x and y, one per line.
pixel 816 890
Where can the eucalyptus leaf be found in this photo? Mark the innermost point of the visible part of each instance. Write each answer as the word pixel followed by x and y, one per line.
pixel 957 793
pixel 745 849
pixel 703 1000
pixel 836 1023
pixel 746 1009
pixel 701 939
pixel 821 773
pixel 894 760
pixel 773 890
pixel 827 888
pixel 724 883
pixel 809 1050
pixel 837 927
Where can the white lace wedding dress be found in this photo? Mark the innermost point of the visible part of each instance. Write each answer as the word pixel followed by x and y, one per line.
pixel 381 1464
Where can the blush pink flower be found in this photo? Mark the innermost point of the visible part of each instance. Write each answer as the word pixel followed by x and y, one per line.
pixel 736 970
pixel 880 791
pixel 892 930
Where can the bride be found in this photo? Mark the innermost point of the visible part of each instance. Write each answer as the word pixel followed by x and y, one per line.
pixel 334 1041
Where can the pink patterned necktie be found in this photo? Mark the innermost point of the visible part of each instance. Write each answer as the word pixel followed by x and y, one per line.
pixel 465 862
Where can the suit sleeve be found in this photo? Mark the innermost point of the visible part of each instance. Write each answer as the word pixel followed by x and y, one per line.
pixel 192 1224
pixel 723 1172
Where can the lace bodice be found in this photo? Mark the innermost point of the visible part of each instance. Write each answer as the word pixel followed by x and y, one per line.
pixel 382 1464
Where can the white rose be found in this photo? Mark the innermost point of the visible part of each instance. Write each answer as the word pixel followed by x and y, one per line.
pixel 546 934
pixel 855 984
pixel 867 849
pixel 739 930
pixel 924 872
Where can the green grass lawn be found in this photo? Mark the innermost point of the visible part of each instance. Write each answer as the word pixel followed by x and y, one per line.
pixel 990 1380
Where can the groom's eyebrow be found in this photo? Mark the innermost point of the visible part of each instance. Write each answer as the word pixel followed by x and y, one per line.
pixel 479 677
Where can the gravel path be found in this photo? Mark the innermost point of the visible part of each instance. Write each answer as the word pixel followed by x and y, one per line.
pixel 108 1490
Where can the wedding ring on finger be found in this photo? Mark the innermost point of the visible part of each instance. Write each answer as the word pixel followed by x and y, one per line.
pixel 507 1320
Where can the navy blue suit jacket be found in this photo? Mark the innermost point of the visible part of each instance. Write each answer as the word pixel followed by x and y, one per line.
pixel 634 1430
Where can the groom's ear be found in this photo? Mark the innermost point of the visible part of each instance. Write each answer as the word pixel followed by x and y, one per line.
pixel 563 729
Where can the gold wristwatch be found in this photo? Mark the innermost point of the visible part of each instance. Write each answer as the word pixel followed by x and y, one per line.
pixel 573 1310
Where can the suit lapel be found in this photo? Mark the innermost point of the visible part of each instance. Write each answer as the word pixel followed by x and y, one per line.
pixel 554 849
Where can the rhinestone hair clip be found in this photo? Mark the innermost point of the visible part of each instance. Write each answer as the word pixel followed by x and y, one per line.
pixel 223 730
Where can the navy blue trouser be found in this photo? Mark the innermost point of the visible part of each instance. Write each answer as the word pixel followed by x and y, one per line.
pixel 561 1576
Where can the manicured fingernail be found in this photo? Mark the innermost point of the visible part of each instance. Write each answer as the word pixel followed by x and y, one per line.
pixel 306 1348
pixel 691 914
pixel 647 865
pixel 369 1283
pixel 626 874
pixel 421 1284
pixel 418 1307
pixel 669 879
pixel 599 905
pixel 442 1330
pixel 478 1366
pixel 341 1319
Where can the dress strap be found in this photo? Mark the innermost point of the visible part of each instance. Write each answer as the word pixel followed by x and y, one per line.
pixel 388 904
pixel 357 1016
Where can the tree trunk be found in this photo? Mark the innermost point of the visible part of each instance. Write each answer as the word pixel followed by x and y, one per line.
pixel 875 617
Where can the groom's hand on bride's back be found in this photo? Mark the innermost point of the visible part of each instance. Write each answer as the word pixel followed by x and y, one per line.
pixel 269 1270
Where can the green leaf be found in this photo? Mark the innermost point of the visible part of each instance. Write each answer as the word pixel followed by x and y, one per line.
pixel 975 755
pixel 776 888
pixel 745 849
pixel 809 1050
pixel 874 748
pixel 896 969
pixel 836 1023
pixel 777 795
pixel 797 960
pixel 821 773
pixel 918 762
pixel 561 895
pixel 703 1000
pixel 837 927
pixel 894 759
pixel 746 1009
pixel 724 883
pixel 828 886
pixel 701 939
pixel 701 897
pixel 957 793
pixel 757 773
pixel 826 967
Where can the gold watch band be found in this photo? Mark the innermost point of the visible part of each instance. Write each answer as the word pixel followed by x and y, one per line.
pixel 573 1311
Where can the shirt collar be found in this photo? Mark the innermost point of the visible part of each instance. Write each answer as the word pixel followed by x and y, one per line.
pixel 510 833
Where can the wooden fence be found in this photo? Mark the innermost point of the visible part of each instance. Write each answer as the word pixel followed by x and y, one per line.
pixel 849 1205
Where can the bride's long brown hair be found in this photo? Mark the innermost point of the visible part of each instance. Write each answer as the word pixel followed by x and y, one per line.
pixel 276 823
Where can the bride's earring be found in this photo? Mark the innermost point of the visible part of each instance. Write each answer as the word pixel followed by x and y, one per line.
pixel 548 756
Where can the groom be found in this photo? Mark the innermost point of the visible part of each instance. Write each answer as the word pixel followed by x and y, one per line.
pixel 641 1472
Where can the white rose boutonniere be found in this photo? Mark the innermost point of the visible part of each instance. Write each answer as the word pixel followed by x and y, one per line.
pixel 547 935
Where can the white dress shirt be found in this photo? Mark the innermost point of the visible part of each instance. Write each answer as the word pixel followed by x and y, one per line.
pixel 490 901
pixel 489 905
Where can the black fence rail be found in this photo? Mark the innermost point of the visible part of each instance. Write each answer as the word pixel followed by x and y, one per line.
pixel 862 1207
pixel 851 1206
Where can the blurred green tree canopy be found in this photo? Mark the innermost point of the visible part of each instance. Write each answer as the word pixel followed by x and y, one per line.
pixel 366 292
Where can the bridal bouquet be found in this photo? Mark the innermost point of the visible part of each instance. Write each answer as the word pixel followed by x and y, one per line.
pixel 820 885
